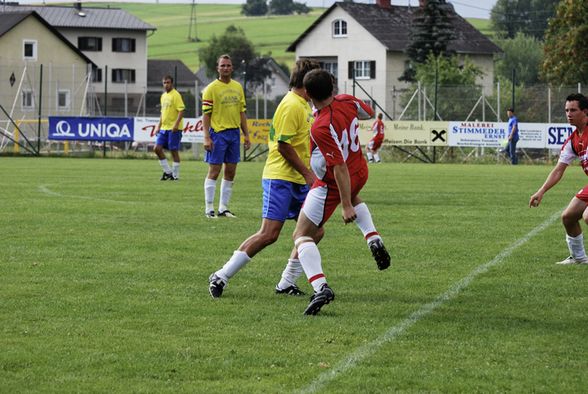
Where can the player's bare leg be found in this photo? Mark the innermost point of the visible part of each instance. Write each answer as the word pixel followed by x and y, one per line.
pixel 570 218
pixel 210 189
pixel 365 223
pixel 227 190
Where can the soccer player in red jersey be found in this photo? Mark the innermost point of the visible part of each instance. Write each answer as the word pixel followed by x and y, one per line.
pixel 373 147
pixel 574 147
pixel 341 172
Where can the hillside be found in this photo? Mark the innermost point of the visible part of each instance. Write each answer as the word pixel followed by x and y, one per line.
pixel 270 34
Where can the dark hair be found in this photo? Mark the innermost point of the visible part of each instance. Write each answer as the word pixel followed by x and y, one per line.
pixel 511 109
pixel 166 77
pixel 224 56
pixel 318 84
pixel 300 69
pixel 580 98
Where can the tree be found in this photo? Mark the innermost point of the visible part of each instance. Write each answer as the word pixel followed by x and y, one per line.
pixel 566 44
pixel 254 8
pixel 430 33
pixel 508 17
pixel 457 89
pixel 524 54
pixel 243 56
pixel 287 7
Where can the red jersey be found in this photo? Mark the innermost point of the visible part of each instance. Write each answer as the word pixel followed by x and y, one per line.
pixel 378 129
pixel 575 147
pixel 335 139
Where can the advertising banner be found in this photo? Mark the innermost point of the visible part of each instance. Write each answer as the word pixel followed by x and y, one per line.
pixel 258 130
pixel 484 134
pixel 76 128
pixel 145 130
pixel 557 133
pixel 409 133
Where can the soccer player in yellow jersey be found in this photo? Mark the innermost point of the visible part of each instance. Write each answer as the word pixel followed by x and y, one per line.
pixel 169 129
pixel 286 181
pixel 223 109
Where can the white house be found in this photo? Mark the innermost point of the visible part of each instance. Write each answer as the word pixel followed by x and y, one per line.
pixel 369 40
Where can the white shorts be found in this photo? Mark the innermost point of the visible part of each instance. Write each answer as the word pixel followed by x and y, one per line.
pixel 314 205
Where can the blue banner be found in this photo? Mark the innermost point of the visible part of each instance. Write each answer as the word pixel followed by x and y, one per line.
pixel 90 128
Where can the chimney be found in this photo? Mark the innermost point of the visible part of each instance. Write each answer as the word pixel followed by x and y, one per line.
pixel 78 5
pixel 384 3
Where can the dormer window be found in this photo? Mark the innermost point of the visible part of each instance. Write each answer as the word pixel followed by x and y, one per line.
pixel 339 28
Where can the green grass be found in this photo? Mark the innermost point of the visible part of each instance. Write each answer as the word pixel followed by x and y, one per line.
pixel 270 35
pixel 103 285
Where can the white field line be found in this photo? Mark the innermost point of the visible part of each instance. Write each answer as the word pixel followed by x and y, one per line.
pixel 372 347
pixel 44 189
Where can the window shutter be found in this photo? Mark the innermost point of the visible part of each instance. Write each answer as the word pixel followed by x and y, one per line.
pixel 350 69
pixel 373 69
pixel 99 44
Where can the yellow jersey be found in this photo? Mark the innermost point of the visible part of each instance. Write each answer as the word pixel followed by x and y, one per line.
pixel 224 102
pixel 291 124
pixel 171 105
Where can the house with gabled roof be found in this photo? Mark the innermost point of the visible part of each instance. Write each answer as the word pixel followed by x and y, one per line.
pixel 26 41
pixel 115 40
pixel 368 42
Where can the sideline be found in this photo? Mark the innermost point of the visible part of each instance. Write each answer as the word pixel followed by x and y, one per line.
pixel 45 190
pixel 372 347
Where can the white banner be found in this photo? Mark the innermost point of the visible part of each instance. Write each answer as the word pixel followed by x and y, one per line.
pixel 145 130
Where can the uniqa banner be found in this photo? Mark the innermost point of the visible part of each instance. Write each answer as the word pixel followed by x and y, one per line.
pixel 90 128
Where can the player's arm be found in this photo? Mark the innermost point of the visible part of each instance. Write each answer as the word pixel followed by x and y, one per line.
pixel 178 120
pixel 513 130
pixel 552 179
pixel 206 131
pixel 344 185
pixel 291 157
pixel 245 130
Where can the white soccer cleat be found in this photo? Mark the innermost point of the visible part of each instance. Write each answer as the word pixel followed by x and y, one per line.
pixel 571 261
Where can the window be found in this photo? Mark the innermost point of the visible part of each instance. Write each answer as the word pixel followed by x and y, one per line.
pixel 339 28
pixel 120 75
pixel 90 44
pixel 27 99
pixel 97 75
pixel 123 45
pixel 362 69
pixel 63 101
pixel 331 67
pixel 29 50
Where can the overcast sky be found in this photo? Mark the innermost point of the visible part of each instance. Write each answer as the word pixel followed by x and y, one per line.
pixel 465 8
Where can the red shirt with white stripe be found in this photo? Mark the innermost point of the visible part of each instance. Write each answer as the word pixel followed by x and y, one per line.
pixel 335 139
pixel 575 147
pixel 378 129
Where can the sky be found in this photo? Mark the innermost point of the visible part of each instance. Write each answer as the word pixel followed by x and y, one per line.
pixel 465 8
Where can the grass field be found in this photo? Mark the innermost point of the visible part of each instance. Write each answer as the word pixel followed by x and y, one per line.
pixel 103 286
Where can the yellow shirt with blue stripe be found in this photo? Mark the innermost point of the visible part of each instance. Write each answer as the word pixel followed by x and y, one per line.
pixel 171 105
pixel 224 102
pixel 291 124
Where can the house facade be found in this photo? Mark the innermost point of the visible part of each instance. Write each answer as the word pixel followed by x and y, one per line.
pixel 26 42
pixel 368 41
pixel 114 40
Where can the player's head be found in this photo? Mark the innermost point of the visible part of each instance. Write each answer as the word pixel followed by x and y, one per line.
pixel 168 83
pixel 510 111
pixel 318 85
pixel 576 109
pixel 224 66
pixel 380 116
pixel 300 69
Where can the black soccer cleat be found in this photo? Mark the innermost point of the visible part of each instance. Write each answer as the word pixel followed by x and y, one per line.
pixel 215 286
pixel 166 176
pixel 318 299
pixel 226 214
pixel 290 290
pixel 380 254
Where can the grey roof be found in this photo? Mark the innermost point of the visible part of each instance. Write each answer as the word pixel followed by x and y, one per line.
pixel 11 19
pixel 157 68
pixel 391 27
pixel 93 18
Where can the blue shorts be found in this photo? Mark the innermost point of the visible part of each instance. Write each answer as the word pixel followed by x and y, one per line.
pixel 170 140
pixel 282 199
pixel 225 147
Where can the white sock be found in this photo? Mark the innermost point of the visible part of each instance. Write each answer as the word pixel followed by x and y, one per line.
pixel 225 195
pixel 365 223
pixel 176 169
pixel 576 246
pixel 370 156
pixel 376 157
pixel 231 267
pixel 310 258
pixel 209 191
pixel 290 274
pixel 165 166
